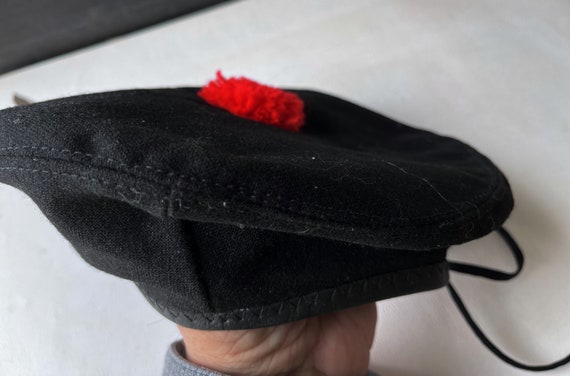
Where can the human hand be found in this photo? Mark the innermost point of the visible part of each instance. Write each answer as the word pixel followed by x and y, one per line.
pixel 333 344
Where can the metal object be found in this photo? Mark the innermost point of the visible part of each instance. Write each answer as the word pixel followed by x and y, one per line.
pixel 20 101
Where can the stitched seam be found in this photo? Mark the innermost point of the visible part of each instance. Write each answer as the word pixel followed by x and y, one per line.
pixel 253 194
pixel 293 304
pixel 181 203
pixel 118 187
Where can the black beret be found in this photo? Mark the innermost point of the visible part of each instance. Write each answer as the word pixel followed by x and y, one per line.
pixel 224 222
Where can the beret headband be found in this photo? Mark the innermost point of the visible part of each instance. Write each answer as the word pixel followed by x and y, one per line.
pixel 240 206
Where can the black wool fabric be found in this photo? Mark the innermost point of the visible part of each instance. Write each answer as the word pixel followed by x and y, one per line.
pixel 226 223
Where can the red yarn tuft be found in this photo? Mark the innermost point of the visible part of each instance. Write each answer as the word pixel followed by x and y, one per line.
pixel 249 99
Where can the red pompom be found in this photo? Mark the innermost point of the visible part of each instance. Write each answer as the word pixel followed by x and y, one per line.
pixel 249 99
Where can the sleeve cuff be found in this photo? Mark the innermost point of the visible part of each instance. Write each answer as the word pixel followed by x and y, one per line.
pixel 176 365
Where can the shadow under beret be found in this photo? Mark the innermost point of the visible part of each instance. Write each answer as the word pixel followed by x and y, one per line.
pixel 227 223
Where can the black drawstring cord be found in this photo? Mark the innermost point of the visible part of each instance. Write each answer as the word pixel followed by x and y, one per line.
pixel 499 276
pixel 492 273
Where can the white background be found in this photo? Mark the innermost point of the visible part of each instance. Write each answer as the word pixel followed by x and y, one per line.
pixel 494 73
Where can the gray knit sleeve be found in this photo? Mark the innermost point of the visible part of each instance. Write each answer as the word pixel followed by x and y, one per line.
pixel 176 365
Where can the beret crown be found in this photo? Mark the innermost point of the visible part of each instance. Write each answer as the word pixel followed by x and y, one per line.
pixel 351 174
pixel 224 222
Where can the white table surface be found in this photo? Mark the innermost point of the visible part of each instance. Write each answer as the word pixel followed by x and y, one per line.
pixel 495 74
